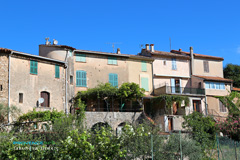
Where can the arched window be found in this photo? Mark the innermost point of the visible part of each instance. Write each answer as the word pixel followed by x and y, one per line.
pixel 46 96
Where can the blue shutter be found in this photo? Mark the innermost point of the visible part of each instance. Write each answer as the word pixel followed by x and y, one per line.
pixel 174 65
pixel 57 74
pixel 80 57
pixel 81 79
pixel 116 80
pixel 173 85
pixel 144 83
pixel 113 79
pixel 144 66
pixel 109 60
pixel 112 60
pixel 33 67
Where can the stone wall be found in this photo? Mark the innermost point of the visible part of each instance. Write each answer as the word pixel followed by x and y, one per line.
pixel 112 118
pixel 4 78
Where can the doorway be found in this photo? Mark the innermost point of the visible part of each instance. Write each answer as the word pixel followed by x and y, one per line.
pixel 197 106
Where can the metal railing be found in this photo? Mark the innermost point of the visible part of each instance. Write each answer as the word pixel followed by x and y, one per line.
pixel 184 90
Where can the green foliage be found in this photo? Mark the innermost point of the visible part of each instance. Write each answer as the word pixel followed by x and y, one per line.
pixel 232 71
pixel 130 91
pixel 232 102
pixel 13 110
pixel 202 128
pixel 41 116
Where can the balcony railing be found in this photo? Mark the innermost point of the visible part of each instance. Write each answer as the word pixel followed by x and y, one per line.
pixel 184 90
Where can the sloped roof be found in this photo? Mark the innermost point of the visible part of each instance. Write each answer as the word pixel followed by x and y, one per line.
pixel 197 55
pixel 236 89
pixel 211 78
pixel 166 54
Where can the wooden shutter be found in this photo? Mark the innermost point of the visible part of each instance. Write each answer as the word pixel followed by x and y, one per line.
pixel 144 83
pixel 113 79
pixel 57 74
pixel 81 78
pixel 206 66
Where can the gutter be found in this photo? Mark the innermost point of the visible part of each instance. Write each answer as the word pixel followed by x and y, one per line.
pixel 66 65
pixel 9 80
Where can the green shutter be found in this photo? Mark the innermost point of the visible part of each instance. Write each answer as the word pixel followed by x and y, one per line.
pixel 81 79
pixel 112 60
pixel 144 84
pixel 144 66
pixel 113 79
pixel 80 57
pixel 57 74
pixel 33 67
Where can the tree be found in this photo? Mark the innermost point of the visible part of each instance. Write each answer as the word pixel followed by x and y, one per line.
pixel 232 71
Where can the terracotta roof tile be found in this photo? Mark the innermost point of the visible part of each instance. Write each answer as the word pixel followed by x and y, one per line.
pixel 236 89
pixel 214 78
pixel 167 54
pixel 197 55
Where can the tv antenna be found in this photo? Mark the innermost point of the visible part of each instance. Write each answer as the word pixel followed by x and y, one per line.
pixel 141 46
pixel 113 44
pixel 170 41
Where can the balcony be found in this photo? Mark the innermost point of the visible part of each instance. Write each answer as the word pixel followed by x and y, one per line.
pixel 179 90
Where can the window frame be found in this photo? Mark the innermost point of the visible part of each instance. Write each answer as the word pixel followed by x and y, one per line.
pixel 57 71
pixel 114 81
pixel 206 66
pixel 222 107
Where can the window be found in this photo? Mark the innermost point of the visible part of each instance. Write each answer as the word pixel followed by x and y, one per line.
pixel 222 107
pixel 144 66
pixel 33 67
pixel 71 79
pixel 112 60
pixel 69 53
pixel 214 85
pixel 57 74
pixel 81 79
pixel 46 97
pixel 113 79
pixel 164 62
pixel 206 66
pixel 174 64
pixel 1 87
pixel 144 83
pixel 80 57
pixel 20 97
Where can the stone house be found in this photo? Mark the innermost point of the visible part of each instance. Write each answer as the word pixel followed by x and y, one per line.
pixel 29 81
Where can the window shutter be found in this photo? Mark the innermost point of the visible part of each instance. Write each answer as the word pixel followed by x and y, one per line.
pixel 206 66
pixel 80 57
pixel 57 74
pixel 78 74
pixel 173 85
pixel 112 60
pixel 84 79
pixel 116 80
pixel 144 66
pixel 144 83
pixel 174 65
pixel 33 67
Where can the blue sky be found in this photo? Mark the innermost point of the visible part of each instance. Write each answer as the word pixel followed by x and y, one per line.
pixel 211 27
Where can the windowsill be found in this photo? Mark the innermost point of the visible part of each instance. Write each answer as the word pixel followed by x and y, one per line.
pixel 113 64
pixel 82 86
pixel 80 62
pixel 44 107
pixel 33 73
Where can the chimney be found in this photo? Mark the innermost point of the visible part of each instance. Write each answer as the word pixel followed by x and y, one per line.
pixel 192 59
pixel 118 51
pixel 147 47
pixel 152 47
pixel 180 50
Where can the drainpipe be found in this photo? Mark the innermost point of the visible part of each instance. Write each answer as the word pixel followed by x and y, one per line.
pixel 191 64
pixel 66 68
pixel 9 71
pixel 152 79
pixel 206 105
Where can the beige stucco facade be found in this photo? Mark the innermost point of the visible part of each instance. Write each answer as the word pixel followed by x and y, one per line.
pixel 214 108
pixel 98 70
pixel 31 85
pixel 215 67
pixel 135 73
pixel 4 78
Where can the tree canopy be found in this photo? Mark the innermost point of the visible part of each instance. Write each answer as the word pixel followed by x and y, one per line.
pixel 232 71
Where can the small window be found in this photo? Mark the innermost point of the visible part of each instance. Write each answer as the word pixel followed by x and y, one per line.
pixel 81 78
pixel 112 60
pixel 80 57
pixel 33 67
pixel 206 66
pixel 113 79
pixel 20 97
pixel 222 107
pixel 69 53
pixel 222 86
pixel 1 87
pixel 71 79
pixel 57 70
pixel 207 85
pixel 144 66
pixel 164 62
pixel 174 64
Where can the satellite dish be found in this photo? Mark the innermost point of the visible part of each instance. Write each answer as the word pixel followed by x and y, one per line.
pixel 40 100
pixel 55 42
